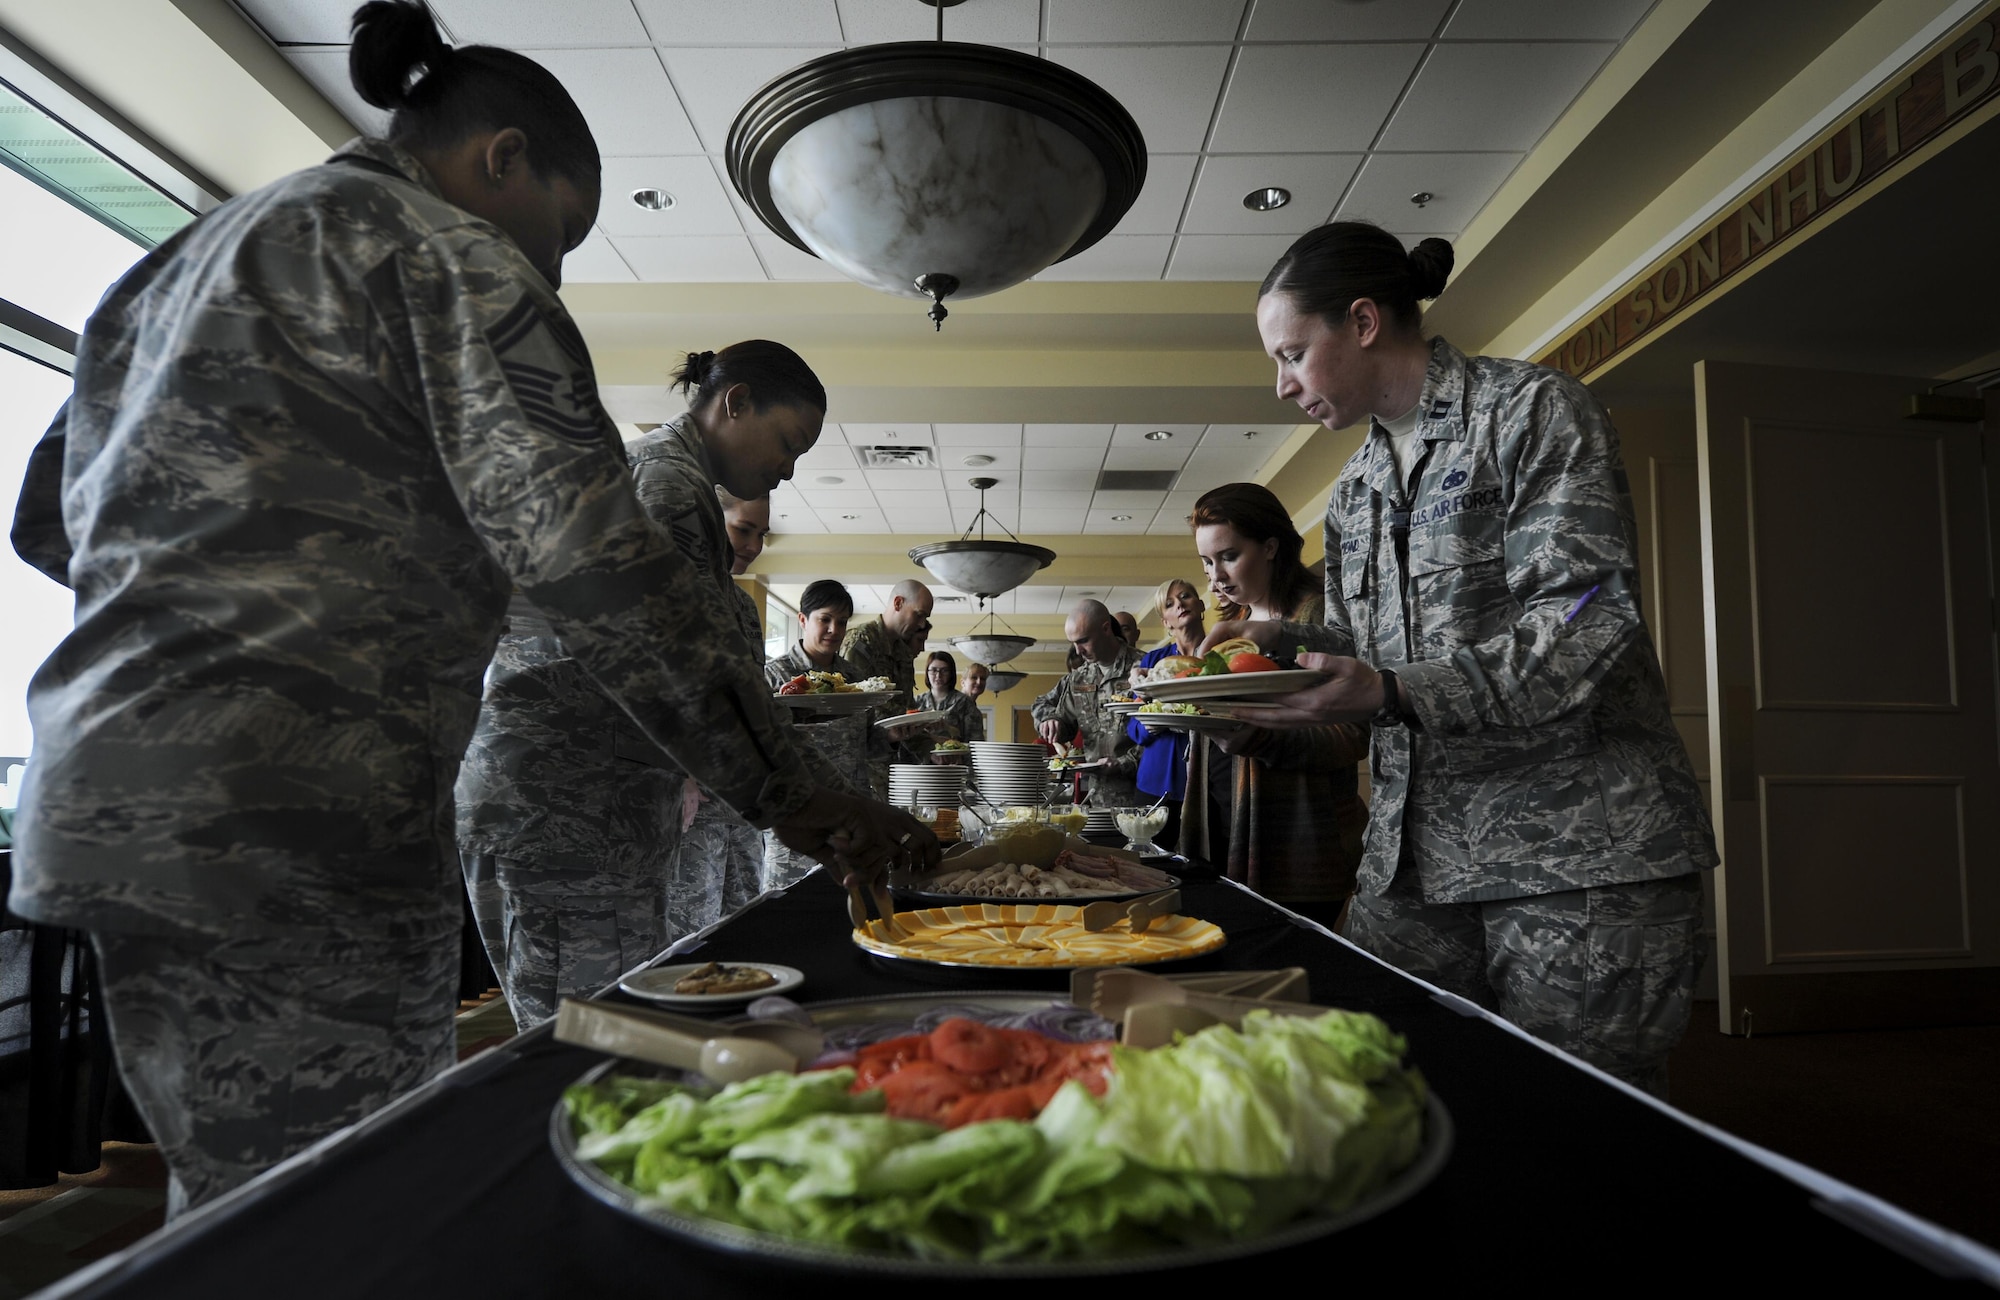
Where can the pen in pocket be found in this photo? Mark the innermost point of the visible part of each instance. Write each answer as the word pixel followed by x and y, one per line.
pixel 1581 601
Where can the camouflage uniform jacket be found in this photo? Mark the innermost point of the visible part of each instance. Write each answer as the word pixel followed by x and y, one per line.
pixel 1544 758
pixel 315 437
pixel 960 711
pixel 557 775
pixel 1080 699
pixel 875 651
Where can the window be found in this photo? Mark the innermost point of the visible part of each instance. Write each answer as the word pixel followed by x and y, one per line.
pixel 73 218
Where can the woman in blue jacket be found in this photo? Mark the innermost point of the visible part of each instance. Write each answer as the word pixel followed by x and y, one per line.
pixel 1163 757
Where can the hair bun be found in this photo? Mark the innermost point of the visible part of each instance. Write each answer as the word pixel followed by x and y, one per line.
pixel 392 39
pixel 1430 266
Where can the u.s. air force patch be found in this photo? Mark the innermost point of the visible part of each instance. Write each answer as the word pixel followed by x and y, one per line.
pixel 548 367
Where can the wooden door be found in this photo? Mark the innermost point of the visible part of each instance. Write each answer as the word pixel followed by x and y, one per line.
pixel 1852 733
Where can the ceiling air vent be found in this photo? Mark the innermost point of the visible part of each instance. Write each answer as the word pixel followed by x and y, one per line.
pixel 896 457
pixel 1136 480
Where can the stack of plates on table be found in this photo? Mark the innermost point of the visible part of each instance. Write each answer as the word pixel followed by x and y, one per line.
pixel 930 784
pixel 1010 774
pixel 1101 821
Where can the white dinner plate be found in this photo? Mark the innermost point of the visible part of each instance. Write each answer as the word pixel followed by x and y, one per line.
pixel 1235 686
pixel 1189 722
pixel 908 719
pixel 657 984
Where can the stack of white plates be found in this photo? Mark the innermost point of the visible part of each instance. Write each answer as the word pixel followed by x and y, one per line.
pixel 929 784
pixel 1102 821
pixel 1010 774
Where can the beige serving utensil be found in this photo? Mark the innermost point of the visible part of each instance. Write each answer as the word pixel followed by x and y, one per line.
pixel 642 1036
pixel 1118 993
pixel 1290 982
pixel 1154 1024
pixel 1141 912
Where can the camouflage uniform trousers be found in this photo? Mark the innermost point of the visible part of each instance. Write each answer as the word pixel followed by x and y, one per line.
pixel 717 869
pixel 242 1052
pixel 548 942
pixel 1606 974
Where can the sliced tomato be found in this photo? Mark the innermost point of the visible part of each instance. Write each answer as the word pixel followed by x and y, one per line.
pixel 1251 663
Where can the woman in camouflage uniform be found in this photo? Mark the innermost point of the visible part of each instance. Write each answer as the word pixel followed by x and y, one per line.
pixel 316 438
pixel 962 718
pixel 569 819
pixel 841 738
pixel 719 862
pixel 1537 831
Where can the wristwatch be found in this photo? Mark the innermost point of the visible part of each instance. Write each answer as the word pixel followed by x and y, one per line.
pixel 1391 714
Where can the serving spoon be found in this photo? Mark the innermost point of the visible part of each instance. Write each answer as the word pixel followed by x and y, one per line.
pixel 742 1052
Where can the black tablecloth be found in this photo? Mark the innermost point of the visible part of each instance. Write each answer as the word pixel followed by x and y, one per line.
pixel 1559 1181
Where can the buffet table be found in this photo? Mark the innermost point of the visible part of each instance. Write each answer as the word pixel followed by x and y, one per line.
pixel 1556 1170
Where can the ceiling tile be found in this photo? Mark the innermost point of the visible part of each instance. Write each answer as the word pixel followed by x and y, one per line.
pixel 1037 599
pixel 1148 501
pixel 1459 183
pixel 990 22
pixel 829 453
pixel 1062 498
pixel 870 435
pixel 1319 20
pixel 1354 87
pixel 1106 521
pixel 310 22
pixel 782 260
pixel 741 22
pixel 1491 96
pixel 626 98
pixel 1263 437
pixel 905 480
pixel 858 520
pixel 700 206
pixel 1185 438
pixel 979 435
pixel 1167 524
pixel 595 261
pixel 1069 457
pixel 715 84
pixel 1169 89
pixel 1037 483
pixel 1067 435
pixel 1115 257
pixel 1158 208
pixel 1150 23
pixel 1483 20
pixel 1226 257
pixel 1203 472
pixel 1145 457
pixel 818 481
pixel 1048 521
pixel 521 25
pixel 952 460
pixel 327 71
pixel 1315 180
pixel 800 520
pixel 724 258
pixel 823 499
pixel 641 403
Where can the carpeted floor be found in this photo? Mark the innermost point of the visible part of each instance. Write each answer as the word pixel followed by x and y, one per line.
pixel 1907 1114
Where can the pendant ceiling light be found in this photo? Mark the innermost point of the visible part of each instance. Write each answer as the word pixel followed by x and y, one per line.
pixel 1000 680
pixel 935 168
pixel 977 566
pixel 991 647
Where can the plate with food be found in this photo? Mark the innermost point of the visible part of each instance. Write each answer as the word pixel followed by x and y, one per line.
pixel 1232 670
pixel 1174 716
pixel 819 692
pixel 712 983
pixel 990 873
pixel 1033 936
pixel 1004 1135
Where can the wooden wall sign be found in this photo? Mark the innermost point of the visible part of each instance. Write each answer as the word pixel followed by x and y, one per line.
pixel 1947 82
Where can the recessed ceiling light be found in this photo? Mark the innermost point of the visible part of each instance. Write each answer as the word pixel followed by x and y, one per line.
pixel 1159 435
pixel 653 200
pixel 830 479
pixel 1250 433
pixel 978 460
pixel 1268 199
pixel 850 516
pixel 1422 197
pixel 1121 519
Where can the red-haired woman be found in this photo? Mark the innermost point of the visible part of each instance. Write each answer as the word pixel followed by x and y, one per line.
pixel 1279 811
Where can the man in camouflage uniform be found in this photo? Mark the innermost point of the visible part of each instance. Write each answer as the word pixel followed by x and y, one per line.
pixel 1074 710
pixel 1536 828
pixel 887 646
pixel 314 439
